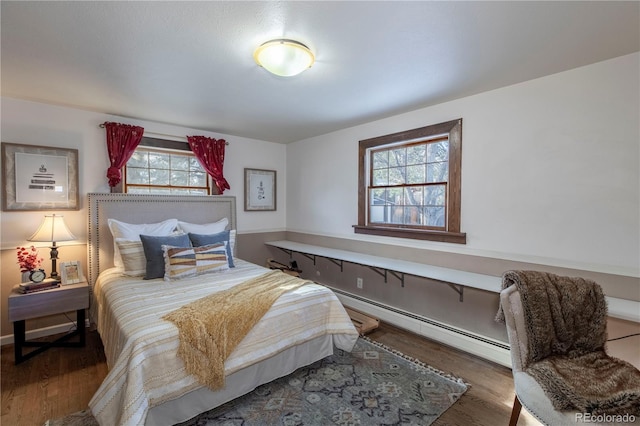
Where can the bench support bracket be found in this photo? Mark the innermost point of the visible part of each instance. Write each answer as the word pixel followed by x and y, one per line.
pixel 458 288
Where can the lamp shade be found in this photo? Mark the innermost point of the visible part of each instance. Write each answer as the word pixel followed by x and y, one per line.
pixel 52 229
pixel 284 57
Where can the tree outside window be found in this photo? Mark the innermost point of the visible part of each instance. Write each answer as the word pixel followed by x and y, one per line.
pixel 165 167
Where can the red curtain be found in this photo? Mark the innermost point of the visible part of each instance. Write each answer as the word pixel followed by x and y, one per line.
pixel 210 154
pixel 122 140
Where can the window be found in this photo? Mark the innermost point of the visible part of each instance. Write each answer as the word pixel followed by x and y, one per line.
pixel 165 167
pixel 410 184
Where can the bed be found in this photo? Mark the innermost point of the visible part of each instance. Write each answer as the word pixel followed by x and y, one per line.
pixel 147 382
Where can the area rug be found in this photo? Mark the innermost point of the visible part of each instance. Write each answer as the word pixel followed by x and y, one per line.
pixel 372 385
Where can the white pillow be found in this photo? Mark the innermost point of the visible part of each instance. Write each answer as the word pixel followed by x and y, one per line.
pixel 132 231
pixel 232 241
pixel 206 228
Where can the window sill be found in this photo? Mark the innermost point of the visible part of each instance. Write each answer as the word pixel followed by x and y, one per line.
pixel 430 235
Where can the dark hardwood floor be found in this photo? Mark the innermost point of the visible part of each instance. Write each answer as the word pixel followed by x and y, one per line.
pixel 488 400
pixel 61 381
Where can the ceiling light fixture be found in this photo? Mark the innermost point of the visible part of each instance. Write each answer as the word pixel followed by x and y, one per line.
pixel 284 57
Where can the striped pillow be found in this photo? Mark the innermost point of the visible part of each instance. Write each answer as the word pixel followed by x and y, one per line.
pixel 183 262
pixel 132 255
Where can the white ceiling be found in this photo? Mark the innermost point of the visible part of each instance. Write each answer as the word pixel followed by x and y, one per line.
pixel 191 64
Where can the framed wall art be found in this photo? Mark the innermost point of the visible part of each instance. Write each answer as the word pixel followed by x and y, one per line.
pixel 259 190
pixel 39 178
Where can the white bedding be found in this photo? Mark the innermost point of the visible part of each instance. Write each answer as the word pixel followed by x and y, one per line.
pixel 141 347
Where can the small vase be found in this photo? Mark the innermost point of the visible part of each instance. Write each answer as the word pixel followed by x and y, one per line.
pixel 25 277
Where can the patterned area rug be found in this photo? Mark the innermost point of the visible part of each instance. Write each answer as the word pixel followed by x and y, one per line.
pixel 372 385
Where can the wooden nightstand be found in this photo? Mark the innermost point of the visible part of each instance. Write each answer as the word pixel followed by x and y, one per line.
pixel 74 297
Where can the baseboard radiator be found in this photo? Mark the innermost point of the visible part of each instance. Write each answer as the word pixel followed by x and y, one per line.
pixel 473 343
pixel 484 347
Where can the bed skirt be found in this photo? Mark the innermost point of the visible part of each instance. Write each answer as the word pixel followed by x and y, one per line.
pixel 242 382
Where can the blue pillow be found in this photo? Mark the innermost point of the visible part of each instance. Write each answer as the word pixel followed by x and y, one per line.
pixel 152 247
pixel 205 239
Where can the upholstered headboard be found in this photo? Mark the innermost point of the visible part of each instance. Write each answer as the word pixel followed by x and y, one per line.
pixel 140 208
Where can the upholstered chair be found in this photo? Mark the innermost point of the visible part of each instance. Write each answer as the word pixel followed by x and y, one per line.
pixel 528 392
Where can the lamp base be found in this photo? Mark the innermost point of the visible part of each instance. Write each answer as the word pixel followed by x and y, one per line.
pixel 54 257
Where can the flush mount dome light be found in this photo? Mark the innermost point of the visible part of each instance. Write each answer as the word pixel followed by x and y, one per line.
pixel 284 57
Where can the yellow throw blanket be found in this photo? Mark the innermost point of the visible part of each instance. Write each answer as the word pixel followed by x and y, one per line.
pixel 212 327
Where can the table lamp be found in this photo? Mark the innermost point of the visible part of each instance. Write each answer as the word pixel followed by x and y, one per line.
pixel 52 229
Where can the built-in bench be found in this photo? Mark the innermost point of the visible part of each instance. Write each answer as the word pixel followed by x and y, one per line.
pixel 384 266
pixel 456 279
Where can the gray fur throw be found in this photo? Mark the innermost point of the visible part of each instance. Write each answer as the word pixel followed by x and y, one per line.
pixel 566 321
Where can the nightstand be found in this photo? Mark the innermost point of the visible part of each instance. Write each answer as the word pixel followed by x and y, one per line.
pixel 73 297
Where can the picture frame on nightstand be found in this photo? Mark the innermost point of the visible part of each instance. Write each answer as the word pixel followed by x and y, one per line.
pixel 71 272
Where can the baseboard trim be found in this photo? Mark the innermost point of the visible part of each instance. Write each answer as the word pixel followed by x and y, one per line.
pixel 473 343
pixel 41 332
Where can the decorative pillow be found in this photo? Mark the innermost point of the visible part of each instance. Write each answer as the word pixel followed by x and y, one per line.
pixel 198 240
pixel 206 228
pixel 183 262
pixel 133 260
pixel 152 246
pixel 132 231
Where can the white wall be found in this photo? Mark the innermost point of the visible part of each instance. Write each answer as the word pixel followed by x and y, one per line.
pixel 35 123
pixel 550 171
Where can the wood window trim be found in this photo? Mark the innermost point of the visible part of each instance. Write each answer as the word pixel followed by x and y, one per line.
pixel 150 143
pixel 453 129
pixel 164 143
